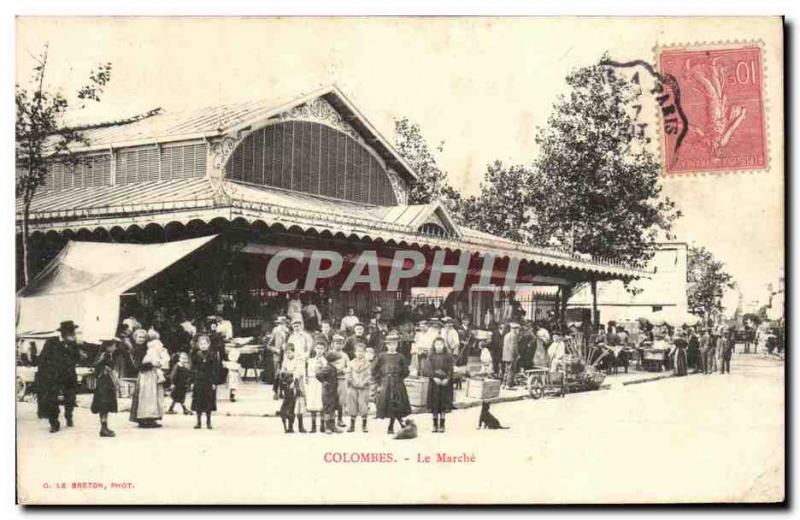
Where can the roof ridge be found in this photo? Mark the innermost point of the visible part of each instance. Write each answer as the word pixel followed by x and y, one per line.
pixel 117 122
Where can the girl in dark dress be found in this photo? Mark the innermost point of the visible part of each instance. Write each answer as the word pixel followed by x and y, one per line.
pixel 205 366
pixel 105 393
pixel 180 377
pixel 439 371
pixel 390 369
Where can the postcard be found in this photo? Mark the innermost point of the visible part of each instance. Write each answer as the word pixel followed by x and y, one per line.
pixel 400 260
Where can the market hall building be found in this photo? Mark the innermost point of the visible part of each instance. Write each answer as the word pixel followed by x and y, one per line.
pixel 109 231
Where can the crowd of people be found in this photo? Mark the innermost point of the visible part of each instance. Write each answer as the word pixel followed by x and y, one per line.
pixel 327 371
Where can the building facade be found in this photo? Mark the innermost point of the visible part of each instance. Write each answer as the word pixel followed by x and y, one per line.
pixel 309 173
pixel 661 295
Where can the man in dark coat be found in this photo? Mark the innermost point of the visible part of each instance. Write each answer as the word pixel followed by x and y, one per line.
pixel 376 337
pixel 56 374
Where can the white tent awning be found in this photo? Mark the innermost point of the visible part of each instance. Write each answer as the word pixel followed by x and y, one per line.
pixel 84 283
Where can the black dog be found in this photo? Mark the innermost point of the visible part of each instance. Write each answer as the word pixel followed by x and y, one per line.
pixel 286 382
pixel 488 420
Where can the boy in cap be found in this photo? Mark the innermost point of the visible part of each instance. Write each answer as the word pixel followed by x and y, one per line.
pixel 340 364
pixel 357 378
pixel 329 378
pixel 296 367
pixel 356 337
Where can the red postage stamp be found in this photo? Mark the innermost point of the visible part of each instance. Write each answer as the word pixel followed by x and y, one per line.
pixel 721 96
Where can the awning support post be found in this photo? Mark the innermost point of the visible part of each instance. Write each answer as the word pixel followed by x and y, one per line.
pixel 594 305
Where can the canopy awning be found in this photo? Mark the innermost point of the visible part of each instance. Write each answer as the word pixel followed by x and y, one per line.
pixel 84 283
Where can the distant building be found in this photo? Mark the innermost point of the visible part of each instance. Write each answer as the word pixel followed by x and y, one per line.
pixel 662 295
pixel 776 299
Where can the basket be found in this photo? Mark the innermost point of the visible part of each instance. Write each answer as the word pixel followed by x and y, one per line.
pixel 482 335
pixel 483 388
pixel 417 389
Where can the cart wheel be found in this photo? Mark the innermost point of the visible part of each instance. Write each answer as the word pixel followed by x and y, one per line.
pixel 20 388
pixel 536 388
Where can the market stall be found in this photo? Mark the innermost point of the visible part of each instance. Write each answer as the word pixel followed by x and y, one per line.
pixel 85 281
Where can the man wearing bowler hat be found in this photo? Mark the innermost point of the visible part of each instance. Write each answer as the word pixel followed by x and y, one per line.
pixel 56 373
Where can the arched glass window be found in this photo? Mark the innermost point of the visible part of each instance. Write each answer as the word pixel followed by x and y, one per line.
pixel 311 158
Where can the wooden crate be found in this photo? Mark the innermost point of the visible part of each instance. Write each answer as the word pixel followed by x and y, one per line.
pixel 483 388
pixel 417 389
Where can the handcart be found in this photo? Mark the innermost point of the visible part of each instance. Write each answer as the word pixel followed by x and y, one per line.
pixel 540 381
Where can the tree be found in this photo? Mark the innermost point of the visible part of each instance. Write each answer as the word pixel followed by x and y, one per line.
pixel 433 183
pixel 594 186
pixel 42 137
pixel 502 208
pixel 707 282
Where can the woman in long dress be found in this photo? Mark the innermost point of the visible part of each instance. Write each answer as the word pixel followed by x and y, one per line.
pixel 679 354
pixel 147 405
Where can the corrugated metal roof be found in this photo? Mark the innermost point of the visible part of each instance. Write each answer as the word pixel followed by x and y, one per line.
pixel 215 120
pixel 169 125
pixel 305 201
pixel 160 198
pixel 125 195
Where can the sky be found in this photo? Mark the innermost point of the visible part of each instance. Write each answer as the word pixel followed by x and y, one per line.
pixel 480 85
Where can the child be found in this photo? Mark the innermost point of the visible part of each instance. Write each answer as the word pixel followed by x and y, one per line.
pixel 180 377
pixel 486 359
pixel 358 384
pixel 439 371
pixel 391 369
pixel 205 367
pixel 313 386
pixel 105 393
pixel 328 376
pixel 157 355
pixel 234 377
pixel 295 366
pixel 341 366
